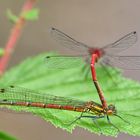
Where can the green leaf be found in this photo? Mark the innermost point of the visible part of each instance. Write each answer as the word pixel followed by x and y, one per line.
pixel 1 52
pixel 11 16
pixel 33 74
pixel 31 14
pixel 4 136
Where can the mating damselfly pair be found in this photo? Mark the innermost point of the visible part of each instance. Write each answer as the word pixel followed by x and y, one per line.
pixel 19 96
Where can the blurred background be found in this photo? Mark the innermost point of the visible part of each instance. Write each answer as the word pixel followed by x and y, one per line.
pixel 93 22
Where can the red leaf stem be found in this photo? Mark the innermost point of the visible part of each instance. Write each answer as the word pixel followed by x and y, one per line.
pixel 14 35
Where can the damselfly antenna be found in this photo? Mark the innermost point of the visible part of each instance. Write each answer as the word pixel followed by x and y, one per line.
pixel 121 118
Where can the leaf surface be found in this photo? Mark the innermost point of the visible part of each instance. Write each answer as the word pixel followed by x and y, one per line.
pixel 33 74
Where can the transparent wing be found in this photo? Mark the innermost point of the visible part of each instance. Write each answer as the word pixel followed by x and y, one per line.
pixel 69 42
pixel 124 62
pixel 16 94
pixel 64 62
pixel 121 44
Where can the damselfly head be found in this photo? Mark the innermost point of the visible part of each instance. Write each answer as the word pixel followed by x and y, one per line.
pixel 111 110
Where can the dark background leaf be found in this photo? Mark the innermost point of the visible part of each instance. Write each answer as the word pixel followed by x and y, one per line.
pixel 4 136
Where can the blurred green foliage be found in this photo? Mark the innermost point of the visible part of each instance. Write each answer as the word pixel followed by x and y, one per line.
pixel 28 15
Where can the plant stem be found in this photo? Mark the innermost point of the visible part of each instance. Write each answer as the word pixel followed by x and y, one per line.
pixel 14 35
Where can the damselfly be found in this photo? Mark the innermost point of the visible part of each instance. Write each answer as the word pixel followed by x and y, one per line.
pixel 18 96
pixel 107 53
pixel 92 54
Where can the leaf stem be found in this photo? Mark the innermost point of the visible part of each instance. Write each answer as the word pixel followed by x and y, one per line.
pixel 14 35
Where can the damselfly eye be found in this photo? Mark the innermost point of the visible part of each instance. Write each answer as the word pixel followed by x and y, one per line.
pixel 111 107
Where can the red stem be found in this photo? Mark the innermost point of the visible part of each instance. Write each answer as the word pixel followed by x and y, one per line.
pixel 15 34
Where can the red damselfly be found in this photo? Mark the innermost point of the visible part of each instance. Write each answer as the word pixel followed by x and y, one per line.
pixel 107 54
pixel 19 96
pixel 92 54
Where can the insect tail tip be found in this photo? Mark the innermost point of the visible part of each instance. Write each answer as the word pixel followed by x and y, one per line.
pixel 134 32
pixel 11 86
pixel 47 57
pixel 2 90
pixel 52 28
